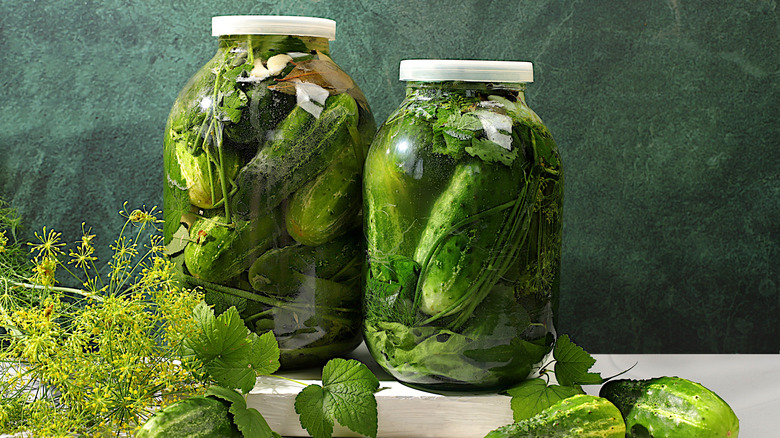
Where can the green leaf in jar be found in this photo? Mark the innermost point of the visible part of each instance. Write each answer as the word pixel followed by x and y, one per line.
pixel 491 152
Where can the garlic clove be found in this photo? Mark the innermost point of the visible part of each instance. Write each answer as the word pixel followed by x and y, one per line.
pixel 259 72
pixel 277 63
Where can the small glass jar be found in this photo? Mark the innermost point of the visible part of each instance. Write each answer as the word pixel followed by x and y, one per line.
pixel 463 194
pixel 264 151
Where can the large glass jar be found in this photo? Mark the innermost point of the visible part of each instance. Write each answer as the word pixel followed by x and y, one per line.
pixel 264 152
pixel 463 191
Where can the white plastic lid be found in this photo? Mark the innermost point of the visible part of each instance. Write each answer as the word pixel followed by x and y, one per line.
pixel 430 70
pixel 273 25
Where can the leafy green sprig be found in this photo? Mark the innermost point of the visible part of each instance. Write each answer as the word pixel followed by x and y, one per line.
pixel 571 370
pixel 233 357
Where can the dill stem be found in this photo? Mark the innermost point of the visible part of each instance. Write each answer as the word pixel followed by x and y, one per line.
pixel 83 293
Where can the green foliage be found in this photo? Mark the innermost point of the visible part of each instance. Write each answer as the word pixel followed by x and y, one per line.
pixel 232 355
pixel 248 420
pixel 346 396
pixel 101 356
pixel 491 152
pixel 572 365
pixel 533 396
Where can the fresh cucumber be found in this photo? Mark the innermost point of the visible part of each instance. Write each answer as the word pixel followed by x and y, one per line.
pixel 453 250
pixel 387 190
pixel 305 147
pixel 218 251
pixel 671 407
pixel 577 416
pixel 195 417
pixel 328 205
pixel 272 273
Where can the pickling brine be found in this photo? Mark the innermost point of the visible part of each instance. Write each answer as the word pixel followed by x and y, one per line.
pixel 264 152
pixel 463 195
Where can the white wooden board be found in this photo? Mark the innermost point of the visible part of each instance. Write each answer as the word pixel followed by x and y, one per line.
pixel 749 383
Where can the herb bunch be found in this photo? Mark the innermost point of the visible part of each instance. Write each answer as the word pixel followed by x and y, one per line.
pixel 97 359
pixel 103 358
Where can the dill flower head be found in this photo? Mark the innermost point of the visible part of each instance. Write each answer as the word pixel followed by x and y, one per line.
pixel 3 241
pixel 44 271
pixel 49 244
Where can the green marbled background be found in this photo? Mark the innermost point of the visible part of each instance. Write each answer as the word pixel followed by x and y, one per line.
pixel 665 112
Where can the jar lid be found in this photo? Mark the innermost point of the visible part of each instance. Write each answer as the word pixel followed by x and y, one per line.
pixel 431 70
pixel 273 25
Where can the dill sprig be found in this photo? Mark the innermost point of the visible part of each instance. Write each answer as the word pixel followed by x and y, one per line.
pixel 99 359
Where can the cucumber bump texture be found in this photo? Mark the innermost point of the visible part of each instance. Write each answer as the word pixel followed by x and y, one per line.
pixel 305 147
pixel 671 407
pixel 196 417
pixel 580 415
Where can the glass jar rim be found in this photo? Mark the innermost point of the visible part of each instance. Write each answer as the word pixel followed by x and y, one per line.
pixel 434 70
pixel 273 25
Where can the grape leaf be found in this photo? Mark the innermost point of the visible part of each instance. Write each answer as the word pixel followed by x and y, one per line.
pixel 346 396
pixel 232 373
pixel 177 198
pixel 572 364
pixel 248 420
pixel 223 336
pixel 231 354
pixel 310 405
pixel 220 301
pixel 178 241
pixel 264 357
pixel 533 396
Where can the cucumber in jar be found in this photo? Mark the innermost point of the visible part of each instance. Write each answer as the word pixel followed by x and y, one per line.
pixel 305 147
pixel 327 206
pixel 462 231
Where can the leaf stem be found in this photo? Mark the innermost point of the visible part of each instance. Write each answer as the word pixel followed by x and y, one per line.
pixel 289 379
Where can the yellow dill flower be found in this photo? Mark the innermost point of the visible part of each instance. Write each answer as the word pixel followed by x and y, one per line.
pixel 49 246
pixel 86 238
pixel 44 271
pixel 3 241
pixel 124 249
pixel 142 216
pixel 156 245
pixel 82 257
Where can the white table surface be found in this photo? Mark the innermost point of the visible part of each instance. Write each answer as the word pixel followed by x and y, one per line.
pixel 749 383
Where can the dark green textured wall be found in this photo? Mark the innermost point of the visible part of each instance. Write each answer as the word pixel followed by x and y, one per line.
pixel 665 111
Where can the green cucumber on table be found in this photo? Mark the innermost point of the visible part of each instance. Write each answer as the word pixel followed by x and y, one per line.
pixel 195 417
pixel 671 407
pixel 577 416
